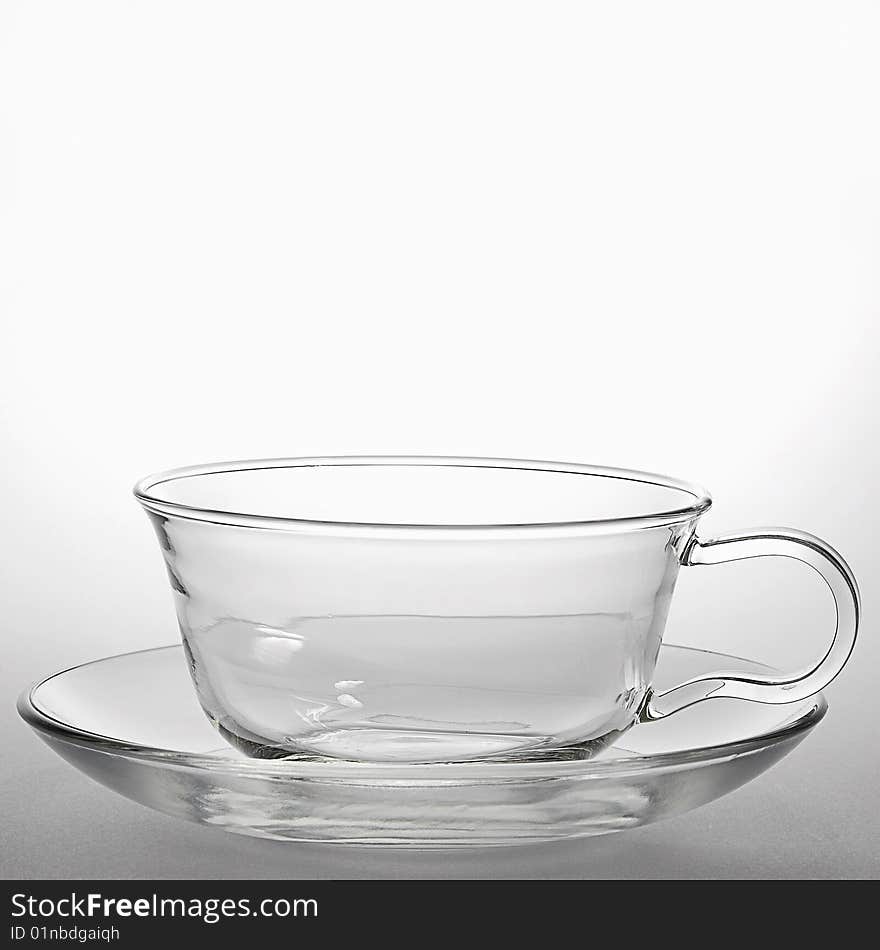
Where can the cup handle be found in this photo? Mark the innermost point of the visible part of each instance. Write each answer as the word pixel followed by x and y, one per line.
pixel 770 542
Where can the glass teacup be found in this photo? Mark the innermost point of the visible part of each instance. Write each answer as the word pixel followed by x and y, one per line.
pixel 445 609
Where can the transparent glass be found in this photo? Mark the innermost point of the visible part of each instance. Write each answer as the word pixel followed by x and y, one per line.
pixel 104 718
pixel 443 609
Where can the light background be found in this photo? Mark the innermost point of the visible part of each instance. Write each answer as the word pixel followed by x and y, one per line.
pixel 637 234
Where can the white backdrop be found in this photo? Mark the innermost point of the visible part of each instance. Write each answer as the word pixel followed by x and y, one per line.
pixel 632 234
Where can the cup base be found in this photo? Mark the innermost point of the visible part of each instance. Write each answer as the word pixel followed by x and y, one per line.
pixel 417 747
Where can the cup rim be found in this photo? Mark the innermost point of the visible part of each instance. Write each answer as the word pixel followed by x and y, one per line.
pixel 674 514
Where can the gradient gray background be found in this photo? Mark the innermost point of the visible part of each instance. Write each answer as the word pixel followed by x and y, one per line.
pixel 640 235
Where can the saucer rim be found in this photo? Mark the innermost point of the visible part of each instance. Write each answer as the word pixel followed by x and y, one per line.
pixel 43 723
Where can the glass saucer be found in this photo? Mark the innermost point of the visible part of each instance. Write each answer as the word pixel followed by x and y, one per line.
pixel 132 723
